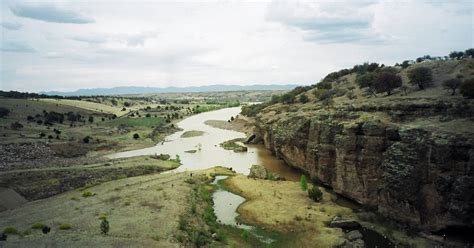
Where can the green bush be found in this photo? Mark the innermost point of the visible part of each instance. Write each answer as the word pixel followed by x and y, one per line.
pixel 421 76
pixel 65 226
pixel 315 194
pixel 87 194
pixel 38 226
pixel 467 88
pixel 10 230
pixel 303 183
pixel 136 136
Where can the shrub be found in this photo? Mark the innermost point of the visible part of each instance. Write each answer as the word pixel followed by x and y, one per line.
pixel 456 54
pixel 86 139
pixel 87 194
pixel 467 88
pixel 4 112
pixel 288 98
pixel 16 125
pixel 147 115
pixel 91 119
pixel 386 82
pixel 452 84
pixel 365 80
pixel 315 194
pixel 136 136
pixel 303 98
pixel 104 227
pixel 303 183
pixel 65 226
pixel 10 230
pixel 38 226
pixel 421 76
pixel 42 135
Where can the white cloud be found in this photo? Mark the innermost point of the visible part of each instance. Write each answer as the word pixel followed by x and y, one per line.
pixel 156 43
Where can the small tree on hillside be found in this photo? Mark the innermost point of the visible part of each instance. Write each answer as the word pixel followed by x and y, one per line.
pixel 366 80
pixel 303 98
pixel 456 54
pixel 469 53
pixel 452 84
pixel 91 119
pixel 387 82
pixel 288 98
pixel 303 183
pixel 467 88
pixel 315 194
pixel 136 136
pixel 4 112
pixel 421 76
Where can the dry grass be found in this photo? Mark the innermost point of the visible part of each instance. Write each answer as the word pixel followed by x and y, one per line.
pixel 283 207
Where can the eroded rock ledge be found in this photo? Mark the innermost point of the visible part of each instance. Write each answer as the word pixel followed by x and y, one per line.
pixel 411 162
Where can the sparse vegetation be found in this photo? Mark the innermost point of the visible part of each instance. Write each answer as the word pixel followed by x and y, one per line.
pixel 10 230
pixel 467 88
pixel 38 226
pixel 452 84
pixel 303 183
pixel 421 76
pixel 87 194
pixel 315 194
pixel 65 226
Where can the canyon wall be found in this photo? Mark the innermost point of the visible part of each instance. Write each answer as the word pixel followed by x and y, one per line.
pixel 411 162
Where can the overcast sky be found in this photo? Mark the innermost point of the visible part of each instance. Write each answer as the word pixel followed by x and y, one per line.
pixel 66 45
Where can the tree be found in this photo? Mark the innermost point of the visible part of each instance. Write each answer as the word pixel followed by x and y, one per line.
pixel 126 104
pixel 16 126
pixel 452 84
pixel 386 82
pixel 467 88
pixel 303 183
pixel 315 194
pixel 104 227
pixel 91 119
pixel 469 53
pixel 456 54
pixel 421 76
pixel 136 136
pixel 303 98
pixel 405 64
pixel 288 98
pixel 4 112
pixel 42 135
pixel 86 139
pixel 365 80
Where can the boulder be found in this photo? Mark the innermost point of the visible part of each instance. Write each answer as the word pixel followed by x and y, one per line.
pixel 338 222
pixel 240 149
pixel 258 171
pixel 353 235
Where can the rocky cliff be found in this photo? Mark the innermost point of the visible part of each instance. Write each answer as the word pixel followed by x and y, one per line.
pixel 409 158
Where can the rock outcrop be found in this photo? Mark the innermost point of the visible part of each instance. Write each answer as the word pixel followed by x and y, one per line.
pixel 409 160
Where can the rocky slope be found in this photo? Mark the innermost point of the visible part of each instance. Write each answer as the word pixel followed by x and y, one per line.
pixel 407 156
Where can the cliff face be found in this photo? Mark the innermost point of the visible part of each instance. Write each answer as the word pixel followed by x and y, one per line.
pixel 410 161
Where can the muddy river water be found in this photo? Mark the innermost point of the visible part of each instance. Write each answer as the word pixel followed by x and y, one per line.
pixel 209 153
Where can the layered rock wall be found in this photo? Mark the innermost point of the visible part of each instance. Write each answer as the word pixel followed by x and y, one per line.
pixel 417 175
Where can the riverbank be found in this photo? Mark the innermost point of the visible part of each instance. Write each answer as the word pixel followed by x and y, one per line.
pixel 239 124
pixel 142 211
pixel 282 206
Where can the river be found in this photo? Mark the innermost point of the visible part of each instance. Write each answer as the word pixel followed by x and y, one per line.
pixel 209 153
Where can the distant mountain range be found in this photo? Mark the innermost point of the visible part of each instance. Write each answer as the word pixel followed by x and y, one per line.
pixel 144 90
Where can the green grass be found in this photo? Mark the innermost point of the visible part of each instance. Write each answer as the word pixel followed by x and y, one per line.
pixel 65 226
pixel 10 230
pixel 38 226
pixel 87 194
pixel 137 122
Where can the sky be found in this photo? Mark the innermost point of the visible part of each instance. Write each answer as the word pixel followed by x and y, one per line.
pixel 68 45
